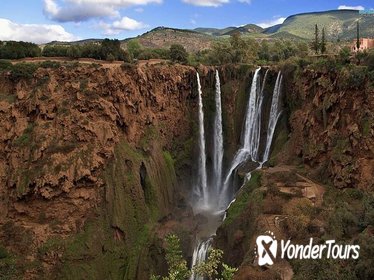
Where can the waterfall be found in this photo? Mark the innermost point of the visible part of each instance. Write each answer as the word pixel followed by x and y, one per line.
pixel 250 128
pixel 251 136
pixel 223 195
pixel 202 247
pixel 264 81
pixel 203 188
pixel 218 138
pixel 200 254
pixel 275 113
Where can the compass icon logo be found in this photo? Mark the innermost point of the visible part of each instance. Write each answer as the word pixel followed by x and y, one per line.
pixel 266 249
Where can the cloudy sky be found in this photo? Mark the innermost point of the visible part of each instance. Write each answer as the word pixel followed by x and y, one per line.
pixel 41 21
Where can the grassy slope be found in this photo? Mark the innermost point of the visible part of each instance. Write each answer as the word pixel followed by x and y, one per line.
pixel 335 22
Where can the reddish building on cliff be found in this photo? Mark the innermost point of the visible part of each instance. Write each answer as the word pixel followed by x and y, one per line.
pixel 365 44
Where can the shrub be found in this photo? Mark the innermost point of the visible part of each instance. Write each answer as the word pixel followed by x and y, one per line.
pixel 54 50
pixel 325 65
pixel 23 70
pixel 16 50
pixel 299 212
pixel 134 48
pixel 126 66
pixel 110 57
pixel 148 54
pixel 126 57
pixel 74 52
pixel 178 269
pixel 344 55
pixel 3 253
pixel 50 64
pixel 25 138
pixel 178 53
pixel 369 61
pixel 5 65
pixel 357 77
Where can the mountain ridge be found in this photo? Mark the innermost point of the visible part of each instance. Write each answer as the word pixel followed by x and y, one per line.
pixel 338 24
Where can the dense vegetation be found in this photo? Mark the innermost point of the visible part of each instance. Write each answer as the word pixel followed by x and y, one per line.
pixel 106 50
pixel 177 265
pixel 16 50
pixel 236 49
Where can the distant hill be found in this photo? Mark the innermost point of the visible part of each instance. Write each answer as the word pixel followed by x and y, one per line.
pixel 285 36
pixel 164 37
pixel 214 31
pixel 249 28
pixel 80 42
pixel 272 29
pixel 337 23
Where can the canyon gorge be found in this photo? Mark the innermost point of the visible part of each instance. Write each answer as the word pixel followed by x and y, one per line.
pixel 99 164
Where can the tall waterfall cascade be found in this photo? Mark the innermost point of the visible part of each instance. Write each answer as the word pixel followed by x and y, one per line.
pixel 275 113
pixel 202 183
pixel 216 197
pixel 250 136
pixel 218 138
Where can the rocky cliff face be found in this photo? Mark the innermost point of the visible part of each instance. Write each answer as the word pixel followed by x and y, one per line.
pixel 96 165
pixel 84 145
pixel 97 162
pixel 331 119
pixel 319 183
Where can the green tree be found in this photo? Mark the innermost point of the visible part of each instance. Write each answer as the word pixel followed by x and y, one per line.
pixel 361 56
pixel 344 55
pixel 55 50
pixel 112 47
pixel 243 50
pixel 316 39
pixel 15 50
pixel 110 57
pixel 238 47
pixel 177 265
pixel 228 272
pixel 74 52
pixel 209 268
pixel 323 41
pixel 358 36
pixel 369 60
pixel 221 53
pixel 134 48
pixel 178 53
pixel 302 49
pixel 264 51
pixel 91 50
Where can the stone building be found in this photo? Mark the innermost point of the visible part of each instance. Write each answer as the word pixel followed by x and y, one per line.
pixel 365 44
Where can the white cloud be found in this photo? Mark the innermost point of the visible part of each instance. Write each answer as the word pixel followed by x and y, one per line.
pixel 345 7
pixel 212 3
pixel 77 12
pixel 273 22
pixel 127 23
pixel 139 10
pixel 206 3
pixel 36 33
pixel 82 10
pixel 124 24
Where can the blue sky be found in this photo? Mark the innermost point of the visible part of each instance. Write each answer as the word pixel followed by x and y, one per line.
pixel 46 20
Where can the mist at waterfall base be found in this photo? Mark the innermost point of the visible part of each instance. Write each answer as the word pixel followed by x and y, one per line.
pixel 213 200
